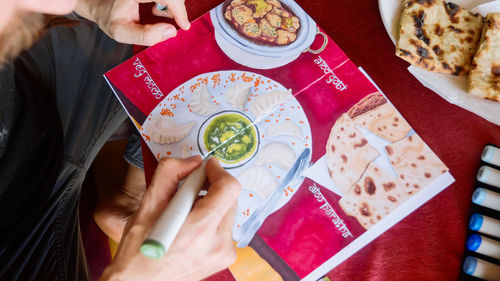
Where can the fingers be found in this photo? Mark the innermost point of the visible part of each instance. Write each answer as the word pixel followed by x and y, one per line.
pixel 222 194
pixel 163 186
pixel 176 9
pixel 145 35
pixel 227 222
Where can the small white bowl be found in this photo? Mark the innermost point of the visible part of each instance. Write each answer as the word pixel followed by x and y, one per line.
pixel 204 151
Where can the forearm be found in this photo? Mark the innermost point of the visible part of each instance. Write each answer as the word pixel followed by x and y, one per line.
pixel 94 10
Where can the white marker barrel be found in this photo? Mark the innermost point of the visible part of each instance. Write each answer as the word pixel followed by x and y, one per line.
pixel 485 225
pixel 483 245
pixel 486 198
pixel 173 217
pixel 481 269
pixel 161 7
pixel 489 176
pixel 491 155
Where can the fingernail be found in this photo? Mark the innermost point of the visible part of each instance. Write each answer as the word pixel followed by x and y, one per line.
pixel 192 158
pixel 186 25
pixel 169 32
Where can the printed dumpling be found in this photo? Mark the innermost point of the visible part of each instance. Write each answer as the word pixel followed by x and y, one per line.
pixel 276 153
pixel 164 130
pixel 237 95
pixel 287 128
pixel 264 104
pixel 201 103
pixel 259 180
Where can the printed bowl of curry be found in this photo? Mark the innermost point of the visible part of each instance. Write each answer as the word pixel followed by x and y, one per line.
pixel 229 135
pixel 249 31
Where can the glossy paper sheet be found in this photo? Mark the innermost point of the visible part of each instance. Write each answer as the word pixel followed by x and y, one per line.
pixel 210 90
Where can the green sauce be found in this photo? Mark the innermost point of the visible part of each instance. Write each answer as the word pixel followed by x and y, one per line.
pixel 232 136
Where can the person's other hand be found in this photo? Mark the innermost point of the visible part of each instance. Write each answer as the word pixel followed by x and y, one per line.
pixel 120 19
pixel 203 245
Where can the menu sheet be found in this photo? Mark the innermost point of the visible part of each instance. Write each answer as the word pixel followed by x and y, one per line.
pixel 261 87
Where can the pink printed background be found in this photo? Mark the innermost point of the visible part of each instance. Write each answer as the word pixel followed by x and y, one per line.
pixel 300 233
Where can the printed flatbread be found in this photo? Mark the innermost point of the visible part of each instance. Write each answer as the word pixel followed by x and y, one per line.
pixel 438 36
pixel 414 163
pixel 484 78
pixel 373 197
pixel 348 153
pixel 380 117
pixel 366 104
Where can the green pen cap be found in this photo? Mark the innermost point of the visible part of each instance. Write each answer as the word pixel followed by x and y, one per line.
pixel 152 249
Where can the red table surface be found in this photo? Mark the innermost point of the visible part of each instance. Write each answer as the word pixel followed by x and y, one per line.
pixel 429 243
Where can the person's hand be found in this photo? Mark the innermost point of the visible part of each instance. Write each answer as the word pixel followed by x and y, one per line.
pixel 118 202
pixel 203 245
pixel 120 19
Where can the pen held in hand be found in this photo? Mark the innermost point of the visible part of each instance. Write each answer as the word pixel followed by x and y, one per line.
pixel 173 217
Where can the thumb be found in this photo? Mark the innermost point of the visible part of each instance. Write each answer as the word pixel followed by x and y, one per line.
pixel 143 34
pixel 163 186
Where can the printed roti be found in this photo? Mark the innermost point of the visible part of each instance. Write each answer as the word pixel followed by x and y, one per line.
pixel 484 78
pixel 366 104
pixel 348 153
pixel 415 163
pixel 380 117
pixel 373 197
pixel 438 36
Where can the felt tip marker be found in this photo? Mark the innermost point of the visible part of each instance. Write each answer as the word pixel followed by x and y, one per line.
pixel 489 176
pixel 484 224
pixel 173 217
pixel 160 7
pixel 481 269
pixel 491 155
pixel 484 246
pixel 486 198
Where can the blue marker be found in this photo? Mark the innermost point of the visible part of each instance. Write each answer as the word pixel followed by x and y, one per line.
pixel 481 269
pixel 486 198
pixel 484 245
pixel 485 225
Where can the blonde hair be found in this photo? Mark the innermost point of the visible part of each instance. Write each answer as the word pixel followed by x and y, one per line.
pixel 19 34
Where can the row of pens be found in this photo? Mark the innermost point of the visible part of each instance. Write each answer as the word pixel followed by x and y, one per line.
pixel 483 243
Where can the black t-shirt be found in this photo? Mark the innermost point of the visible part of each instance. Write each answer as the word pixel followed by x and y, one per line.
pixel 31 149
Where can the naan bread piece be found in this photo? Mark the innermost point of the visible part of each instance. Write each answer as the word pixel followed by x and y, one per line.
pixel 414 163
pixel 367 103
pixel 484 78
pixel 348 153
pixel 373 197
pixel 378 116
pixel 385 122
pixel 438 36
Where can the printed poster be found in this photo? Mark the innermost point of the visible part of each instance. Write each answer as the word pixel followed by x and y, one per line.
pixel 325 160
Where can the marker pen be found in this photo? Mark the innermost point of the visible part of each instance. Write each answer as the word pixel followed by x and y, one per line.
pixel 484 245
pixel 173 217
pixel 481 269
pixel 491 155
pixel 489 176
pixel 485 225
pixel 160 7
pixel 486 198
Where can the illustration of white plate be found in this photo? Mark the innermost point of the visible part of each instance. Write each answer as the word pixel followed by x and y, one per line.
pixel 220 100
